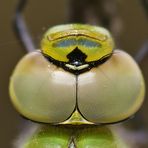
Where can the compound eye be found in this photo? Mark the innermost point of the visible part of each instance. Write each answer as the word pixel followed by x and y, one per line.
pixel 38 90
pixel 111 92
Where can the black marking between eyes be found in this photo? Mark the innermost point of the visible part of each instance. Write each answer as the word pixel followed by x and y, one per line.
pixel 77 72
pixel 77 57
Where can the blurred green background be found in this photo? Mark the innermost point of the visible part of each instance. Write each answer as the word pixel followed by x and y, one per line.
pixel 40 15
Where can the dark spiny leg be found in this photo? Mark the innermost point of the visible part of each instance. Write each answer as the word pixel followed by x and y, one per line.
pixel 21 28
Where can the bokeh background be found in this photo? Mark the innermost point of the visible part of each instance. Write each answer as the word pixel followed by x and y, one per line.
pixel 129 25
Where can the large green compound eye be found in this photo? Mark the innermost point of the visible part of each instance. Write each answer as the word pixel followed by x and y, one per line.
pixel 38 90
pixel 113 91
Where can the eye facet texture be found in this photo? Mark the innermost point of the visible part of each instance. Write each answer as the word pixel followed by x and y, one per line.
pixel 41 91
pixel 111 92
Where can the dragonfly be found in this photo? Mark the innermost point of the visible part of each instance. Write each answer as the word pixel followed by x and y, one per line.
pixel 74 86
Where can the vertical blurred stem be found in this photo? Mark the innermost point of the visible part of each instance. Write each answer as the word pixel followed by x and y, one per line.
pixel 143 51
pixel 20 27
pixel 145 5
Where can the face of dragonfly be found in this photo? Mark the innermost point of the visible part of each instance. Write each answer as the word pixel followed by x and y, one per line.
pixel 77 78
pixel 77 48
